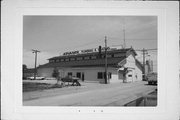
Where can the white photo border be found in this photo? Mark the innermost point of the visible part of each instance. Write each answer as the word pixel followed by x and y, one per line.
pixel 13 34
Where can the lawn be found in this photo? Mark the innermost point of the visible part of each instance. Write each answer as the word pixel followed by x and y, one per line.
pixel 30 86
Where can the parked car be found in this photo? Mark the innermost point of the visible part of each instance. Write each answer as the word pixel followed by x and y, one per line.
pixel 37 78
pixel 152 78
pixel 70 79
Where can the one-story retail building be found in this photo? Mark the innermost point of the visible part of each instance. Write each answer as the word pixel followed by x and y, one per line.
pixel 89 65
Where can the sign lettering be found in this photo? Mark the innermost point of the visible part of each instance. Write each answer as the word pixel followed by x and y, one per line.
pixel 85 51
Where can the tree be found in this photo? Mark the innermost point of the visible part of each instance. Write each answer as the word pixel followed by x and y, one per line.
pixel 55 74
pixel 24 68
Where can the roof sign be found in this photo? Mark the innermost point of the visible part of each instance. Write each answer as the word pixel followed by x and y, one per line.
pixel 84 51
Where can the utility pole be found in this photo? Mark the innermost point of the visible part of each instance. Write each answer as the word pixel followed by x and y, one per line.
pixel 105 60
pixel 144 52
pixel 124 38
pixel 35 71
pixel 124 33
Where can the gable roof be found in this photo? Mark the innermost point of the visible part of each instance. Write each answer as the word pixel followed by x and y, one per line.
pixel 139 65
pixel 99 62
pixel 86 63
pixel 127 51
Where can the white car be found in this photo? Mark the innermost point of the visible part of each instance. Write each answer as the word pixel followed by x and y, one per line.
pixel 37 78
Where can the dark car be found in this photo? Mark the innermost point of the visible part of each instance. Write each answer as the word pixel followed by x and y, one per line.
pixel 152 78
pixel 73 80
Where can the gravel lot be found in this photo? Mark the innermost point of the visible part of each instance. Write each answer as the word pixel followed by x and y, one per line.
pixel 89 94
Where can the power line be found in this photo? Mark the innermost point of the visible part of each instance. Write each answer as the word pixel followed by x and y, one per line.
pixel 140 39
pixel 116 45
pixel 152 49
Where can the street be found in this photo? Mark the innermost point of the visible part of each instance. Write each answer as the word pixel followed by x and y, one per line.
pixel 89 94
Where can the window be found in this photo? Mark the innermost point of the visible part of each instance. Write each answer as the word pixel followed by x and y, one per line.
pixel 100 75
pixel 118 55
pixel 57 60
pixel 109 75
pixel 67 59
pixel 129 75
pixel 79 58
pixel 72 59
pixel 51 61
pixel 93 57
pixel 87 58
pixel 69 73
pixel 62 60
pixel 78 74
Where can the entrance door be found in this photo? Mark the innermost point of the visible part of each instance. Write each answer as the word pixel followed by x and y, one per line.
pixel 82 76
pixel 78 74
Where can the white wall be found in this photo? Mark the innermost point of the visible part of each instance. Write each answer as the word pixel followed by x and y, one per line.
pixel 45 72
pixel 136 72
pixel 90 73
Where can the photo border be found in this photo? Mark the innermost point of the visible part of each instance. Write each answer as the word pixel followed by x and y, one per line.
pixel 14 47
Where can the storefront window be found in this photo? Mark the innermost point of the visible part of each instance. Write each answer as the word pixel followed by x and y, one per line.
pixel 70 74
pixel 100 75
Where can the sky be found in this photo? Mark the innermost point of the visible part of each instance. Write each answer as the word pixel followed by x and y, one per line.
pixel 54 35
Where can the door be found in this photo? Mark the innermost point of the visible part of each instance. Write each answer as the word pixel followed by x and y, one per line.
pixel 78 74
pixel 82 76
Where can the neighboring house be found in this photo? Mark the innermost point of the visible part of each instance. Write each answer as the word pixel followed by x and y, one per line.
pixel 122 66
pixel 28 73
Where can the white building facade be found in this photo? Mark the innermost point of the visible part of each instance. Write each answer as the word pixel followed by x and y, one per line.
pixel 122 66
